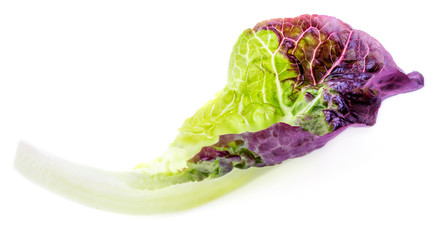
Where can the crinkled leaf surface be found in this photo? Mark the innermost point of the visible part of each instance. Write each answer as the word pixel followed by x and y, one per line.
pixel 314 73
pixel 293 84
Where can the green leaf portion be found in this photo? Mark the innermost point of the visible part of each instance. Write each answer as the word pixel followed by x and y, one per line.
pixel 307 111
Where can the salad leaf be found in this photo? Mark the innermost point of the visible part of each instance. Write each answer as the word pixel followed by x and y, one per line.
pixel 293 84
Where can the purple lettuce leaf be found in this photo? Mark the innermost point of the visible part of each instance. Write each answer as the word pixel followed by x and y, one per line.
pixel 293 85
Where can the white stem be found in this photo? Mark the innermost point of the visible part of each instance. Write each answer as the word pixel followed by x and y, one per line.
pixel 116 191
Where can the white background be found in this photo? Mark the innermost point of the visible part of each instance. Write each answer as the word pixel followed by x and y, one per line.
pixel 107 84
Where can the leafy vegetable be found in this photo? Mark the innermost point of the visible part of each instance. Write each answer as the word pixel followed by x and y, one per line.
pixel 293 84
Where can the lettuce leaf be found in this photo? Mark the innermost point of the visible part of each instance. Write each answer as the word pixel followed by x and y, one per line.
pixel 293 84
